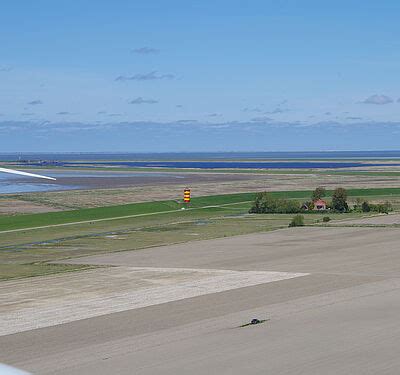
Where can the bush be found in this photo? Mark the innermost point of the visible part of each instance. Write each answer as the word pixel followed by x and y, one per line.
pixel 326 219
pixel 265 203
pixel 382 208
pixel 379 207
pixel 297 221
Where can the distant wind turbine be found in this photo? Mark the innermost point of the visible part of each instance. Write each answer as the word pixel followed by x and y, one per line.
pixel 6 170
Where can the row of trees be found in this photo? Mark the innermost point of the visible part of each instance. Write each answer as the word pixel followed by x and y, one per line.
pixel 268 203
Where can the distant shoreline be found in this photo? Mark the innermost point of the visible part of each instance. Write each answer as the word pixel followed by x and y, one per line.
pixel 171 156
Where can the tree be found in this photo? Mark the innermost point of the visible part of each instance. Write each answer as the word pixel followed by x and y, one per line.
pixel 339 200
pixel 365 207
pixel 318 193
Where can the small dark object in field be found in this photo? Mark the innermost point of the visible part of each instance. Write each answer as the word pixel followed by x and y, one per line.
pixel 254 321
pixel 326 219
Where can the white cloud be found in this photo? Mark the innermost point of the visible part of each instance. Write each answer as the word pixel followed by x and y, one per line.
pixel 378 100
pixel 140 100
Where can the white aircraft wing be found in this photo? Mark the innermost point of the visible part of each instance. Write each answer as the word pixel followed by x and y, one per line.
pixel 6 170
pixel 8 370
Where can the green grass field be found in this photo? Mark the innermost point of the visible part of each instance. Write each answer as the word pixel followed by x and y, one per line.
pixel 101 213
pixel 136 226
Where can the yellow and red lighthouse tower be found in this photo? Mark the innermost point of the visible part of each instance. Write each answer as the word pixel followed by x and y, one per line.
pixel 186 195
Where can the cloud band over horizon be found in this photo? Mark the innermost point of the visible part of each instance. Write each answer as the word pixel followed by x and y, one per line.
pixel 196 136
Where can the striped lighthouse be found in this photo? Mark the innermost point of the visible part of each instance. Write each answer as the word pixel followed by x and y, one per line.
pixel 186 195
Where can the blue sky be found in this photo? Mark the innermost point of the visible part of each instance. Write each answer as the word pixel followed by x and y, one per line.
pixel 205 75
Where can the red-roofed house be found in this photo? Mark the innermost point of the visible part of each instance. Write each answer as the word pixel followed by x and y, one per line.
pixel 319 205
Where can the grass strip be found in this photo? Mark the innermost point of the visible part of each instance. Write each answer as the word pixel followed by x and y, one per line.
pixel 11 222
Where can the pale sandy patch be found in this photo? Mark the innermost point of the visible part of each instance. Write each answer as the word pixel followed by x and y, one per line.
pixel 48 301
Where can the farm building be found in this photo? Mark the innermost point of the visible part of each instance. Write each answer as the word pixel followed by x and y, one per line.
pixel 319 205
